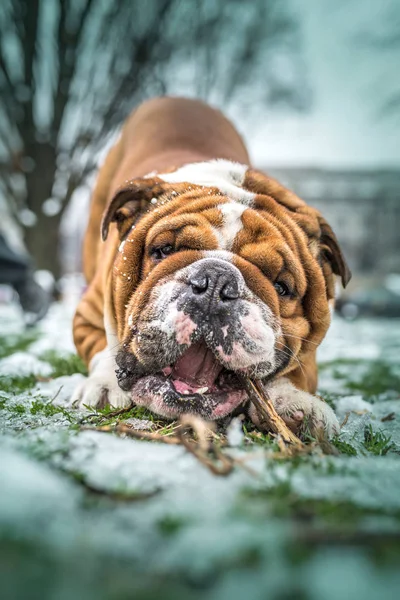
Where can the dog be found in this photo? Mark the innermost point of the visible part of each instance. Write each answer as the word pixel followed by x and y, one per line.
pixel 202 271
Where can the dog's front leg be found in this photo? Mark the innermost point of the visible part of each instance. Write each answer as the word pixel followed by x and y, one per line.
pixel 101 387
pixel 301 411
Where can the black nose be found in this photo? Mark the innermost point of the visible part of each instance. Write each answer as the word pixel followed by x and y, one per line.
pixel 216 280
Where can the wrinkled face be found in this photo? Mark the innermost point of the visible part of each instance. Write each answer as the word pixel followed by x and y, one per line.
pixel 208 290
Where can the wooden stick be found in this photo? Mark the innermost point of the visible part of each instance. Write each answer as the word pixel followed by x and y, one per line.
pixel 204 449
pixel 268 415
pixel 150 436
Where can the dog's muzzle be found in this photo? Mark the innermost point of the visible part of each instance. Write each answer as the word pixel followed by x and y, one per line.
pixel 199 344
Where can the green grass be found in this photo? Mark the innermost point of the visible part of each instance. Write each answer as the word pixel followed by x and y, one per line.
pixel 48 409
pixel 16 385
pixel 17 343
pixel 253 436
pixel 343 447
pixel 377 442
pixel 343 362
pixel 38 406
pixel 170 525
pixel 100 415
pixel 17 409
pixel 377 378
pixel 61 365
pixel 64 364
pixel 283 502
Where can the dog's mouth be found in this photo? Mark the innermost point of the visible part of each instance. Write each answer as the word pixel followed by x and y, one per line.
pixel 196 383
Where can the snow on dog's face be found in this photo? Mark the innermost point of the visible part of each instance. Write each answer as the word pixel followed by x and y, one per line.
pixel 220 279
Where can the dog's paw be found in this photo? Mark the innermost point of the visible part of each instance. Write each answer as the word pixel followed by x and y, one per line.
pixel 304 412
pixel 101 387
pixel 98 391
pixel 301 411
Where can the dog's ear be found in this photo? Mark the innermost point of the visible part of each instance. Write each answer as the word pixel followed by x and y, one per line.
pixel 330 249
pixel 122 210
pixel 130 202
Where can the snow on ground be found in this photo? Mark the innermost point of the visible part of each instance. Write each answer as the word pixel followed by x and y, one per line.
pixel 86 514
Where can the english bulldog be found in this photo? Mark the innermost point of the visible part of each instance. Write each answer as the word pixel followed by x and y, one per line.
pixel 202 271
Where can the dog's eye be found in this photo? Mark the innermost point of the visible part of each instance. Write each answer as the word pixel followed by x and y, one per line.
pixel 162 252
pixel 282 288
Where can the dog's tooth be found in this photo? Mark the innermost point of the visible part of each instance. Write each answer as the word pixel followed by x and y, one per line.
pixel 202 390
pixel 186 392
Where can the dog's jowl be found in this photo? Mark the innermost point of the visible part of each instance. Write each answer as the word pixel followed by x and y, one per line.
pixel 202 271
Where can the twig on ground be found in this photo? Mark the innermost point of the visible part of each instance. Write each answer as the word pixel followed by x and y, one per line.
pixel 346 418
pixel 205 450
pixel 152 436
pixel 390 417
pixel 130 432
pixel 55 395
pixel 268 415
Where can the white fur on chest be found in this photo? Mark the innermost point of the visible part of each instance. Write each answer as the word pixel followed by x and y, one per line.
pixel 226 175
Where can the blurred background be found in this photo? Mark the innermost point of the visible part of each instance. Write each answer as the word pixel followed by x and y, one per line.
pixel 312 85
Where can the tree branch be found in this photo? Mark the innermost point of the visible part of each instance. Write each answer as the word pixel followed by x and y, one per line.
pixel 30 11
pixel 68 47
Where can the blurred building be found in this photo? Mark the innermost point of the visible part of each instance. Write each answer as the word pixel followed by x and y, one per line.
pixel 362 206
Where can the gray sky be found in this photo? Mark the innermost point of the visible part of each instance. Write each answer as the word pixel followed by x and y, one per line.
pixel 351 82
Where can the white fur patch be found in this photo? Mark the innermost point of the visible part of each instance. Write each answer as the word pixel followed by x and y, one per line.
pixel 101 382
pixel 221 254
pixel 225 175
pixel 232 224
pixel 256 327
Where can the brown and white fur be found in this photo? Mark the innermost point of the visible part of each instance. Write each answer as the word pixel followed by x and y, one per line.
pixel 207 271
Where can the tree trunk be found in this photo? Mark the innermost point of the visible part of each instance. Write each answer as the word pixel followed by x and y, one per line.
pixel 42 240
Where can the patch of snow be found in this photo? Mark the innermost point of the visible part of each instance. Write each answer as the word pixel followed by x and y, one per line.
pixel 235 433
pixel 115 464
pixel 55 331
pixel 347 573
pixel 37 489
pixel 369 482
pixel 11 319
pixel 20 364
pixel 60 388
pixel 139 424
pixel 352 404
pixel 353 430
pixel 360 339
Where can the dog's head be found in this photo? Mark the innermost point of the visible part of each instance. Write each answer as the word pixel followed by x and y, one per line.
pixel 221 273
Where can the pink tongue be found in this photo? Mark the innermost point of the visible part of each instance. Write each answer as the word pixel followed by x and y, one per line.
pixel 197 366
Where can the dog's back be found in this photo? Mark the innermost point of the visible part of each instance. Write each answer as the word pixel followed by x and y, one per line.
pixel 160 135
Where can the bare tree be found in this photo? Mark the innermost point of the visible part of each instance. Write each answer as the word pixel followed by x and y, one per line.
pixel 71 70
